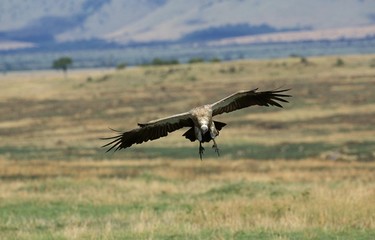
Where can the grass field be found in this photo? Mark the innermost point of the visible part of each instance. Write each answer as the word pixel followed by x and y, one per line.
pixel 303 172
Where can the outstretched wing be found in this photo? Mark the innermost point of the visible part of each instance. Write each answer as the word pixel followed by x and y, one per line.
pixel 243 99
pixel 149 131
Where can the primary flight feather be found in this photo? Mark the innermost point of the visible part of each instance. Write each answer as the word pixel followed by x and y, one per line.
pixel 202 127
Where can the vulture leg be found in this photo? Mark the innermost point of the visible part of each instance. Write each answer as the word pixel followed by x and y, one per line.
pixel 216 148
pixel 201 150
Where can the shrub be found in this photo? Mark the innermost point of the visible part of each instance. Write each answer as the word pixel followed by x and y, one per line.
pixel 121 66
pixel 159 61
pixel 339 62
pixel 304 60
pixel 215 60
pixel 196 60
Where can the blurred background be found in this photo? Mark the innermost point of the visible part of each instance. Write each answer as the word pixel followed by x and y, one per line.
pixel 72 69
pixel 105 33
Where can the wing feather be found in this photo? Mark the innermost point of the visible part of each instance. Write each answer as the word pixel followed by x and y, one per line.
pixel 149 131
pixel 243 99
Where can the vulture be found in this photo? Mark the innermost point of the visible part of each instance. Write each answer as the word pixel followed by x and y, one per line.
pixel 199 120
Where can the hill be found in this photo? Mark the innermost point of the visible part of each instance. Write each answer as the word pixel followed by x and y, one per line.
pixel 40 22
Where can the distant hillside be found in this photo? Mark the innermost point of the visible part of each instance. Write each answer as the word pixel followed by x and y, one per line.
pixel 47 23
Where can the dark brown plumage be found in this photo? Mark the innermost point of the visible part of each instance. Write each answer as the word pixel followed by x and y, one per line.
pixel 199 119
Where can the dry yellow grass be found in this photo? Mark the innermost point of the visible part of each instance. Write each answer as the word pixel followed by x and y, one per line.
pixel 304 172
pixel 156 198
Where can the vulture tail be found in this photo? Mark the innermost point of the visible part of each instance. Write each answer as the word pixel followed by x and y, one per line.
pixel 190 134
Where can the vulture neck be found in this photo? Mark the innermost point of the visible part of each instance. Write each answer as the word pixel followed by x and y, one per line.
pixel 202 118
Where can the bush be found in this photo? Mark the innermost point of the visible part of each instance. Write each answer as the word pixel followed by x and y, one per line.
pixel 304 60
pixel 215 60
pixel 192 78
pixel 121 66
pixel 372 63
pixel 339 62
pixel 293 55
pixel 158 61
pixel 196 60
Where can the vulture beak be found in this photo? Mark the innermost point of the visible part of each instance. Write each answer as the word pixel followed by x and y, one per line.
pixel 204 128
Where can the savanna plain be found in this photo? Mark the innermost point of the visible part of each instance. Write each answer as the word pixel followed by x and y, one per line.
pixel 306 171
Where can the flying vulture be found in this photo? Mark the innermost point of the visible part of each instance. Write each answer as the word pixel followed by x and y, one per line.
pixel 202 127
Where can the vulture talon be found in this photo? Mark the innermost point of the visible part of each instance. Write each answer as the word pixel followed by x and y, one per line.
pixel 215 147
pixel 201 150
pixel 217 150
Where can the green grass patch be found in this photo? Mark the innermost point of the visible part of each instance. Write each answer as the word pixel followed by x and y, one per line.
pixel 308 234
pixel 364 151
pixel 237 151
pixel 245 189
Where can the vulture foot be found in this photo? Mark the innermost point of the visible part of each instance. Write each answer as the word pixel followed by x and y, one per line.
pixel 216 148
pixel 201 150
